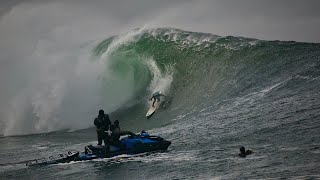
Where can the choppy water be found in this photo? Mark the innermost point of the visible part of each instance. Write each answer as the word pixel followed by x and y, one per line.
pixel 223 92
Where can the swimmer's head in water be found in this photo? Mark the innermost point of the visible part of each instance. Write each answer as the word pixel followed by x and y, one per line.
pixel 242 150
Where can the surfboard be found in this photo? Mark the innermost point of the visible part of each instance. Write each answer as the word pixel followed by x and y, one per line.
pixel 153 109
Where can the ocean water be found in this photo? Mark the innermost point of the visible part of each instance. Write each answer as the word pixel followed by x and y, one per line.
pixel 222 93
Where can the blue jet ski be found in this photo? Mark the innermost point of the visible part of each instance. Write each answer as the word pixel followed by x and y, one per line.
pixel 133 144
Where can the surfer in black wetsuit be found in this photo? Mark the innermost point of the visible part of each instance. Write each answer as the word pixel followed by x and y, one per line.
pixel 102 123
pixel 156 96
pixel 116 133
pixel 244 152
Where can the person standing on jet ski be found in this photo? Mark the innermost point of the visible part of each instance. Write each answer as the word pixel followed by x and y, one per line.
pixel 156 96
pixel 116 133
pixel 102 123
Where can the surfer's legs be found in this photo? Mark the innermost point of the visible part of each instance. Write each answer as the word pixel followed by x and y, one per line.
pixel 154 100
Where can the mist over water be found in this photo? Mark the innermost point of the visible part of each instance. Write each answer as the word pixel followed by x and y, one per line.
pixel 49 79
pixel 58 83
pixel 62 62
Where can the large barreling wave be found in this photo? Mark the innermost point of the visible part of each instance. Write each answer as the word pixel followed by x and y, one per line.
pixel 194 69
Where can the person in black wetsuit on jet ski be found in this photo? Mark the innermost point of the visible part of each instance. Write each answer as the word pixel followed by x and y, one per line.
pixel 102 123
pixel 116 133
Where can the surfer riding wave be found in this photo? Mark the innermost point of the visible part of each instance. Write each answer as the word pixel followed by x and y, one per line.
pixel 156 96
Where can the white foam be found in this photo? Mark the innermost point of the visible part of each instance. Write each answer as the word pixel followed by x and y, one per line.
pixel 160 81
pixel 122 39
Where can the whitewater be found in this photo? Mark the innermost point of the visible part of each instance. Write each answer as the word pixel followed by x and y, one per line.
pixel 223 92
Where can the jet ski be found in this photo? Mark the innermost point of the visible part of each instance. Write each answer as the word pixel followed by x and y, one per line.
pixel 61 158
pixel 133 144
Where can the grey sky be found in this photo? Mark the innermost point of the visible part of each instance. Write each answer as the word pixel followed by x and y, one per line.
pixel 264 19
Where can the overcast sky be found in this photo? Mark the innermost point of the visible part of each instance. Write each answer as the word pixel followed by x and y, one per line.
pixel 297 20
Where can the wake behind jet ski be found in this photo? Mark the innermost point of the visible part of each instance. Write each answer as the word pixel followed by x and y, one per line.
pixel 133 144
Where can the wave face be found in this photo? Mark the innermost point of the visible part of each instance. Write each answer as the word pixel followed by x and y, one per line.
pixel 203 69
pixel 196 71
